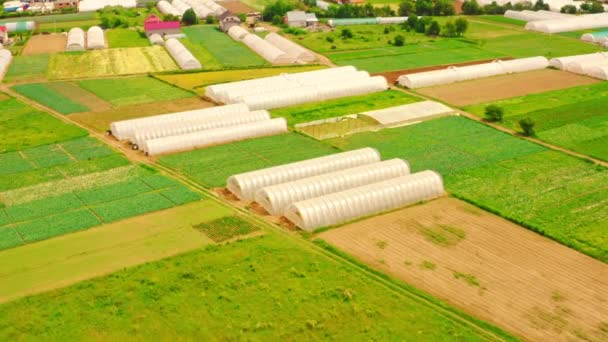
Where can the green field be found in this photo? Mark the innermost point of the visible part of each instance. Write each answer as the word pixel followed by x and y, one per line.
pixel 58 18
pixel 557 195
pixel 502 20
pixel 343 106
pixel 211 166
pixel 133 90
pixel 110 62
pixel 27 68
pixel 59 27
pixel 42 93
pixel 125 38
pixel 304 295
pixel 223 49
pixel 22 126
pixel 574 118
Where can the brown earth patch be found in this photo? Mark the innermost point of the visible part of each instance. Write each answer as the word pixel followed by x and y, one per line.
pixel 487 266
pixel 237 7
pixel 45 43
pixel 79 95
pixel 505 86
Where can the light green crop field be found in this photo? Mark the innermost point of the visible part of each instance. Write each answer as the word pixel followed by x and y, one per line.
pixel 557 195
pixel 133 90
pixel 574 118
pixel 110 62
pixel 226 51
pixel 305 295
pixel 42 93
pixel 27 68
pixel 58 18
pixel 211 166
pixel 22 126
pixel 343 106
pixel 502 20
pixel 124 38
pixel 67 25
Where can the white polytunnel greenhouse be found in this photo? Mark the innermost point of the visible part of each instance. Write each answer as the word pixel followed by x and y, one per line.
pixel 182 56
pixel 562 62
pixel 156 39
pixel 404 114
pixel 94 5
pixel 5 60
pixel 180 6
pixel 365 200
pixel 75 39
pixel 276 198
pixel 95 38
pixel 583 67
pixel 594 37
pixel 266 50
pixel 245 185
pixel 20 26
pixel 470 72
pixel 217 9
pixel 574 23
pixel 528 15
pixel 237 33
pixel 293 50
pixel 166 8
pixel 197 124
pixel 600 72
pixel 125 130
pixel 215 136
pixel 199 8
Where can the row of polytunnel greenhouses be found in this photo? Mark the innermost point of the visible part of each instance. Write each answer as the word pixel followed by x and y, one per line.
pixel 202 8
pixel 182 56
pixel 408 113
pixel 335 189
pixel 551 22
pixel 175 132
pixel 5 60
pixel 94 39
pixel 593 64
pixel 274 48
pixel 297 88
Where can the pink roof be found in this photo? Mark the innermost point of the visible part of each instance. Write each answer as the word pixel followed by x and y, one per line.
pixel 167 25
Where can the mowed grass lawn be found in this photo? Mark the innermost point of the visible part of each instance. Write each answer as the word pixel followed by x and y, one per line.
pixel 27 68
pixel 574 118
pixel 211 166
pixel 226 51
pixel 557 195
pixel 123 38
pixel 343 106
pixel 110 62
pixel 133 90
pixel 42 93
pixel 264 288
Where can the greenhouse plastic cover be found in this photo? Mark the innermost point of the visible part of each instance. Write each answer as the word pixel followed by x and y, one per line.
pixel 180 6
pixel 266 50
pixel 156 39
pixel 594 37
pixel 95 38
pixel 600 72
pixel 276 198
pixel 125 130
pixel 201 10
pixel 215 136
pixel 294 51
pixel 94 5
pixel 166 8
pixel 5 60
pixel 245 185
pixel 20 26
pixel 562 62
pixel 365 200
pixel 408 113
pixel 237 33
pixel 528 15
pixel 575 23
pixel 470 72
pixel 75 39
pixel 182 56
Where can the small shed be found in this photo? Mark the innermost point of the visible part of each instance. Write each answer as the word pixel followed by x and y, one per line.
pixel 153 25
pixel 300 19
pixel 228 20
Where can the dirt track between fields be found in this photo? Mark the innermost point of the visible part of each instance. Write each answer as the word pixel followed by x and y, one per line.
pixel 45 43
pixel 512 277
pixel 505 86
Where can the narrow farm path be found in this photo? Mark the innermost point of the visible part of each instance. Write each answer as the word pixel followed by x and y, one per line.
pixel 397 288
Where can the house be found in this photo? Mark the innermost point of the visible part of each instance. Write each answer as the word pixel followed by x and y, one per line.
pixel 300 19
pixel 154 25
pixel 59 4
pixel 227 20
pixel 3 35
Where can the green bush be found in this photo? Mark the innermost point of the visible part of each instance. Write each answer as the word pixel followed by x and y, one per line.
pixel 494 113
pixel 527 126
pixel 399 40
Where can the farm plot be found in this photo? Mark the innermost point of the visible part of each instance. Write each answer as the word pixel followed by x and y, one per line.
pixel 45 94
pixel 482 264
pixel 27 69
pixel 110 62
pixel 126 38
pixel 343 106
pixel 227 52
pixel 211 166
pixel 83 255
pixel 308 291
pixel 505 86
pixel 573 118
pixel 554 194
pixel 22 126
pixel 198 81
pixel 45 44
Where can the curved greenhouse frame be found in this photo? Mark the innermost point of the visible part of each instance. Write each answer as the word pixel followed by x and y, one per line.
pixel 75 39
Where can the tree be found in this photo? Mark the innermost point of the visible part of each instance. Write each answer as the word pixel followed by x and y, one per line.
pixel 596 7
pixel 493 8
pixel 412 21
pixel 424 7
pixel 399 40
pixel 386 30
pixel 449 30
pixel 189 17
pixel 407 8
pixel 494 113
pixel 210 19
pixel 471 7
pixel 585 7
pixel 346 33
pixel 527 126
pixel 279 7
pixel 443 7
pixel 461 26
pixel 570 9
pixel 277 20
pixel 242 17
pixel 434 29
pixel 540 5
pixel 420 26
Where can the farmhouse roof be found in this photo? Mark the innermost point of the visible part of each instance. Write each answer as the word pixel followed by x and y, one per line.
pixel 296 16
pixel 163 25
pixel 311 17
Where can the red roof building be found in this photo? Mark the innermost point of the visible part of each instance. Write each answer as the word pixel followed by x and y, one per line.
pixel 153 25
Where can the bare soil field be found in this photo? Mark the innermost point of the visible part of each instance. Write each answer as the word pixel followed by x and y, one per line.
pixel 237 7
pixel 488 267
pixel 100 120
pixel 50 43
pixel 505 86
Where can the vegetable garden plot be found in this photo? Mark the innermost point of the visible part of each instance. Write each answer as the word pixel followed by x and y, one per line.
pixel 43 94
pixel 226 228
pixel 27 68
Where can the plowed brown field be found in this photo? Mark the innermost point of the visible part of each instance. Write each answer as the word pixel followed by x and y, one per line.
pixel 505 86
pixel 44 43
pixel 488 267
